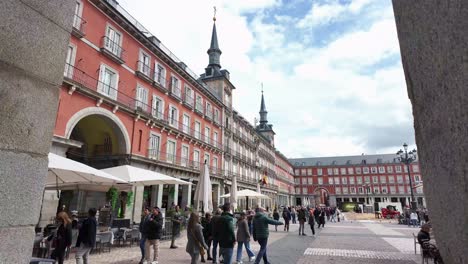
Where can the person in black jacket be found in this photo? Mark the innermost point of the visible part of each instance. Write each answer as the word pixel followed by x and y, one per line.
pixel 86 237
pixel 153 230
pixel 144 220
pixel 62 238
pixel 207 233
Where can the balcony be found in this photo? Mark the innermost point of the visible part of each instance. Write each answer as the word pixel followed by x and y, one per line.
pixel 209 114
pixel 78 29
pixel 188 100
pixel 112 50
pixel 175 91
pixel 199 108
pixel 159 82
pixel 144 71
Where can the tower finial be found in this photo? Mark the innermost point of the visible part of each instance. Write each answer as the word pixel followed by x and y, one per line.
pixel 214 13
pixel 262 87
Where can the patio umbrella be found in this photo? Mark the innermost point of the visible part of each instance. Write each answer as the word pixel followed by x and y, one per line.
pixel 138 176
pixel 247 193
pixel 65 172
pixel 233 197
pixel 203 190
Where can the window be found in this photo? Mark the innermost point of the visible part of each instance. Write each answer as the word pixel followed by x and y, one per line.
pixel 227 101
pixel 419 190
pixel 207 134
pixel 199 103
pixel 206 158
pixel 175 86
pixel 70 61
pixel 173 116
pixel 153 150
pixel 330 171
pixel 113 41
pixel 345 190
pixel 358 170
pixel 208 111
pixel 215 164
pixel 77 18
pixel 389 170
pixel 216 115
pixel 319 171
pixel 417 178
pixel 144 63
pixel 367 179
pixel 352 190
pixel 304 190
pixel 160 74
pixel 320 181
pixel 309 181
pixel 383 179
pixel 351 180
pixel 297 190
pixel 335 171
pixel 384 189
pixel 185 155
pixel 373 169
pixel 108 82
pixel 197 129
pixel 381 169
pixel 196 159
pixel 376 190
pixel 397 168
pixel 365 170
pixel 392 189
pixel 391 179
pixel 343 171
pixel 215 139
pixel 344 180
pixel 401 189
pixel 141 98
pixel 188 96
pixel 359 180
pixel 330 180
pixel 186 123
pixel 337 180
pixel 297 180
pixel 415 168
pixel 400 179
pixel 171 148
pixel 158 107
pixel 375 179
pixel 350 170
pixel 338 190
pixel 360 190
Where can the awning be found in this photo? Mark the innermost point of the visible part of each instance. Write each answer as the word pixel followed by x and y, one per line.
pixel 138 176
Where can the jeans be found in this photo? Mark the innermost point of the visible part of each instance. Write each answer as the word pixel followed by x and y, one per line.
pixel 215 251
pixel 301 226
pixel 82 254
pixel 262 253
pixel 413 222
pixel 247 248
pixel 142 247
pixel 152 243
pixel 227 254
pixel 312 228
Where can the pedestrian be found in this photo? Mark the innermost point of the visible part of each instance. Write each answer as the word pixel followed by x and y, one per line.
pixel 301 217
pixel 250 215
pixel 338 214
pixel 312 221
pixel 207 234
pixel 214 225
pixel 333 215
pixel 429 248
pixel 276 216
pixel 293 215
pixel 144 220
pixel 153 230
pixel 196 245
pixel 286 218
pixel 176 222
pixel 243 238
pixel 413 219
pixel 260 233
pixel 321 219
pixel 224 233
pixel 74 219
pixel 62 238
pixel 86 237
pixel 317 212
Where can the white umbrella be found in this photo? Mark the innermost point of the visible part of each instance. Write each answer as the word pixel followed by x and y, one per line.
pixel 65 172
pixel 144 177
pixel 233 197
pixel 203 191
pixel 247 193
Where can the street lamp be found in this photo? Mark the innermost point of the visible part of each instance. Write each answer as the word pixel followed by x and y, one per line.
pixel 407 158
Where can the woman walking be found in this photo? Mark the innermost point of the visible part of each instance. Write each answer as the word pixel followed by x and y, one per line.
pixel 321 219
pixel 196 245
pixel 312 221
pixel 276 217
pixel 243 238
pixel 293 214
pixel 63 238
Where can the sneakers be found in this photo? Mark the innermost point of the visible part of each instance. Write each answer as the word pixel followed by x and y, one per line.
pixel 251 258
pixel 154 262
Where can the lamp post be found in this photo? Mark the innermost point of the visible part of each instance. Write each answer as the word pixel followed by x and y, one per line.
pixel 407 158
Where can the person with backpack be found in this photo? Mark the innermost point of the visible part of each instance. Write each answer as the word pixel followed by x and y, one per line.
pixel 286 218
pixel 276 217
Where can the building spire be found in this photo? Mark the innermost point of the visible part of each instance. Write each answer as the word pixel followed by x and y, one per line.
pixel 214 52
pixel 263 112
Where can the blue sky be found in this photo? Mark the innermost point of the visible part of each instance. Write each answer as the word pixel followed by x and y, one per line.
pixel 331 69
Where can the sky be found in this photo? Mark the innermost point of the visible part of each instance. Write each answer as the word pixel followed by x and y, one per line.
pixel 331 69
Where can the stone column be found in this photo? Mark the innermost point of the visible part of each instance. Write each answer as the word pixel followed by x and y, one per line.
pixel 433 39
pixel 33 43
pixel 138 203
pixel 176 194
pixel 160 195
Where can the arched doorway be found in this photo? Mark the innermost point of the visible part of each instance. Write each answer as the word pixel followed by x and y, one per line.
pixel 105 143
pixel 321 197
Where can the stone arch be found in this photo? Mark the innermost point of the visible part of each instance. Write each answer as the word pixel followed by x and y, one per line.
pixel 115 122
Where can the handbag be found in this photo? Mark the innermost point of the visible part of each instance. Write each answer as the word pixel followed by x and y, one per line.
pixel 200 246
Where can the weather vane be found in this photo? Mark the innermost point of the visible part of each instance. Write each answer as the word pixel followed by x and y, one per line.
pixel 214 16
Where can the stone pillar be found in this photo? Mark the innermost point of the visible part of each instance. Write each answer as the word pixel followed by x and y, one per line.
pixel 189 195
pixel 154 195
pixel 433 39
pixel 160 195
pixel 176 194
pixel 186 195
pixel 138 203
pixel 33 43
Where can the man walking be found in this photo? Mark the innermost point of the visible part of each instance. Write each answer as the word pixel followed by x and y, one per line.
pixel 261 233
pixel 144 220
pixel 176 222
pixel 153 230
pixel 86 237
pixel 301 216
pixel 224 233
pixel 214 226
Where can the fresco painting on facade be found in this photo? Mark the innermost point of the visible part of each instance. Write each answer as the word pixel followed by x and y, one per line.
pixel 127 99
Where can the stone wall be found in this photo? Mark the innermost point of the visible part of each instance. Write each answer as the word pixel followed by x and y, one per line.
pixel 433 37
pixel 33 41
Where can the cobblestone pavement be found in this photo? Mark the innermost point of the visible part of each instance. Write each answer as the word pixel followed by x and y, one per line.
pixel 340 243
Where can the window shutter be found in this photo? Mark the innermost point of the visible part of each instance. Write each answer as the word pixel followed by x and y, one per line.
pixel 102 69
pixel 113 92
